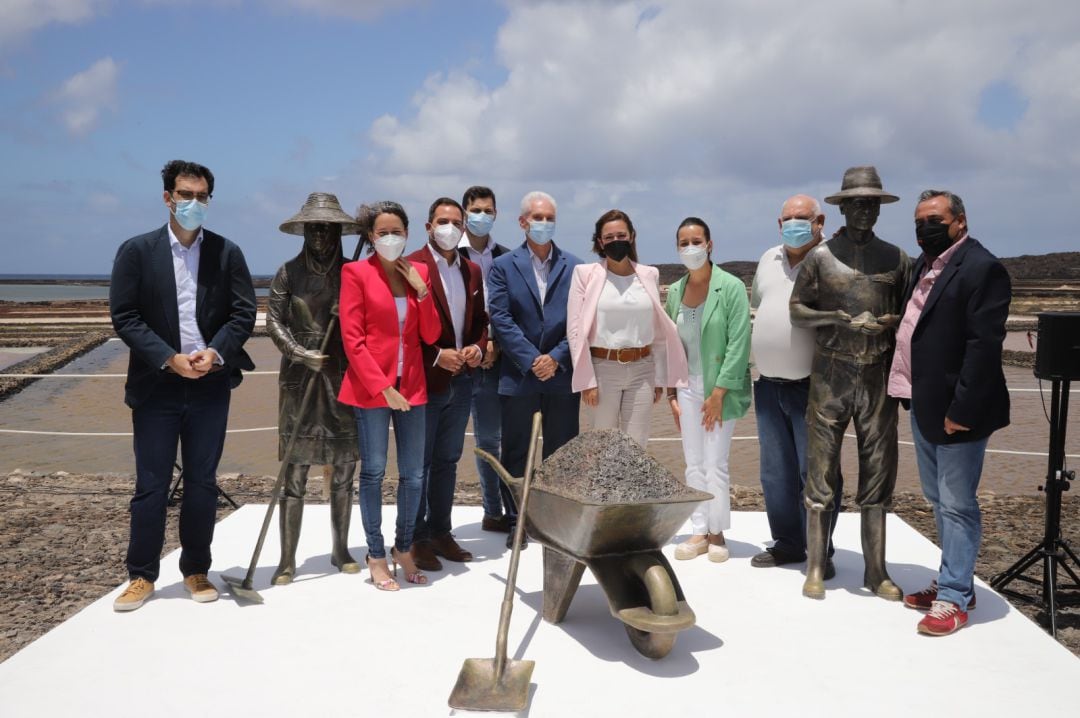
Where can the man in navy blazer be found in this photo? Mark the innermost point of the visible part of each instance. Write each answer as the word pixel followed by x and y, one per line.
pixel 947 372
pixel 181 298
pixel 480 247
pixel 529 288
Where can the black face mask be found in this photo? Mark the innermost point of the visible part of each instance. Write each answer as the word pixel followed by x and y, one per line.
pixel 933 237
pixel 617 251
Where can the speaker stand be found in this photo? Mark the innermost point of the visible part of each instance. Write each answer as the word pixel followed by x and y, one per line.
pixel 1053 553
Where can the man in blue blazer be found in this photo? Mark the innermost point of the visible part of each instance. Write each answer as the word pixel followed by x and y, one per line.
pixel 947 371
pixel 181 298
pixel 528 291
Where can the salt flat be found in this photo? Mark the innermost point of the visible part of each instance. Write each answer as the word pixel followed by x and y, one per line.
pixel 331 645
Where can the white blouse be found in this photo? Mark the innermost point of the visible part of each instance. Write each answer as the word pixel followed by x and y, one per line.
pixel 402 304
pixel 624 314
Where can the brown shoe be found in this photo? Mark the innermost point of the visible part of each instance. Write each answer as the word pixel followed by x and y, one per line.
pixel 200 588
pixel 134 596
pixel 449 549
pixel 423 554
pixel 498 524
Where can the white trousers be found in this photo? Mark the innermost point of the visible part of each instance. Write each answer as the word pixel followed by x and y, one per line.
pixel 706 454
pixel 626 397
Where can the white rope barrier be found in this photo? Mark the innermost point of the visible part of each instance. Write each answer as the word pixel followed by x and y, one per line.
pixel 469 433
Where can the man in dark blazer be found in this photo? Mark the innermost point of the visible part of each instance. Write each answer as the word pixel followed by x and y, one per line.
pixel 458 288
pixel 481 249
pixel 947 372
pixel 181 298
pixel 529 288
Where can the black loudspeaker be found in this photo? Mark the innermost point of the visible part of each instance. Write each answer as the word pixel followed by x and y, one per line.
pixel 1057 355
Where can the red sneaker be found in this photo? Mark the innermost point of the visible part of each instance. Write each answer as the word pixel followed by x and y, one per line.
pixel 944 618
pixel 924 599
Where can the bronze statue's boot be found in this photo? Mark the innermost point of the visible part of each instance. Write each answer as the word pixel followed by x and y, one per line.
pixel 817 552
pixel 292 511
pixel 876 578
pixel 340 514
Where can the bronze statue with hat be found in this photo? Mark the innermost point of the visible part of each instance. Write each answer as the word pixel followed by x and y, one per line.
pixel 301 321
pixel 850 289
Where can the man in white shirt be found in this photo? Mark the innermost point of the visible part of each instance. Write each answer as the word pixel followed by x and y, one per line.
pixel 783 355
pixel 457 286
pixel 181 298
pixel 480 247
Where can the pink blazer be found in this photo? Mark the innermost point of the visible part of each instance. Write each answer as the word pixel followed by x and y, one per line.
pixel 585 287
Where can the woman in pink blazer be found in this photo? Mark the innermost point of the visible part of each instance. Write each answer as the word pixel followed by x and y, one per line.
pixel 624 347
pixel 386 311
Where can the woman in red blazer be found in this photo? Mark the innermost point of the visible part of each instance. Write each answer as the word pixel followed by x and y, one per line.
pixel 385 314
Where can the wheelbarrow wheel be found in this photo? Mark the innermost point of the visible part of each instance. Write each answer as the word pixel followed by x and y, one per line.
pixel 663 602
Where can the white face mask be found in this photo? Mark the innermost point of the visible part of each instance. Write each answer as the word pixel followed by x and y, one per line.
pixel 693 256
pixel 390 246
pixel 446 236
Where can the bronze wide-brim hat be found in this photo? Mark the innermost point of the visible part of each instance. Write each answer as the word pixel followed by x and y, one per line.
pixel 320 207
pixel 861 182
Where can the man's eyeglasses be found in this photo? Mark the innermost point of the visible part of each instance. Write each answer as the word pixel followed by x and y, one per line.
pixel 187 195
pixel 620 237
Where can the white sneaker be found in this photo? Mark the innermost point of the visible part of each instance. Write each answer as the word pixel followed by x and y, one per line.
pixel 691 549
pixel 718 553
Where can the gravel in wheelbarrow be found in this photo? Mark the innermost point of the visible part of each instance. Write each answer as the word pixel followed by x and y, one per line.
pixel 608 467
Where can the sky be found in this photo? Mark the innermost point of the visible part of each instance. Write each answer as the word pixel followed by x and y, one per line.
pixel 664 109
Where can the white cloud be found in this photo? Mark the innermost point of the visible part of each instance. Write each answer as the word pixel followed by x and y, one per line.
pixel 20 17
pixel 86 95
pixel 728 107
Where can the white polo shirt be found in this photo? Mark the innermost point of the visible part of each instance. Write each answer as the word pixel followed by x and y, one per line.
pixel 779 350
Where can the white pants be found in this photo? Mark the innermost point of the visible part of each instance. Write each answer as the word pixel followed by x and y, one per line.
pixel 706 454
pixel 626 397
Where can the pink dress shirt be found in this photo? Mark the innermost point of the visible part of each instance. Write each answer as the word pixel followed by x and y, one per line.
pixel 900 373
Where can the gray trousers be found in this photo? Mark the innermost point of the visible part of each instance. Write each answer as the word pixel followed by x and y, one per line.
pixel 841 392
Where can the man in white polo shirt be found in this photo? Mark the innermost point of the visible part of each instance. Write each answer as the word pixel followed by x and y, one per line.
pixel 782 354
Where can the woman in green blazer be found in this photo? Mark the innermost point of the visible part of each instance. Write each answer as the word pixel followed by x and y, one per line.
pixel 712 312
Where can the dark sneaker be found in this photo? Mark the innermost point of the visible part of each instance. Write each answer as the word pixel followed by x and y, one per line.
pixel 423 554
pixel 830 569
pixel 924 599
pixel 771 557
pixel 524 541
pixel 944 618
pixel 498 524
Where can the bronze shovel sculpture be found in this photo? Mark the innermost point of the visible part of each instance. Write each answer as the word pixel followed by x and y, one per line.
pixel 499 683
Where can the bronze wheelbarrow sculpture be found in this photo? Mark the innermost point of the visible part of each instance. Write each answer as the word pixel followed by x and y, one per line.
pixel 620 542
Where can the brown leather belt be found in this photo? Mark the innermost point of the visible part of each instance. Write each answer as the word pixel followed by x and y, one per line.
pixel 623 356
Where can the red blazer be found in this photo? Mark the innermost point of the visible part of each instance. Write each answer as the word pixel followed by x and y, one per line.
pixel 369 331
pixel 476 320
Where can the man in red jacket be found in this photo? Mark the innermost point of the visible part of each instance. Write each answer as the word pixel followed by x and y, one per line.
pixel 458 289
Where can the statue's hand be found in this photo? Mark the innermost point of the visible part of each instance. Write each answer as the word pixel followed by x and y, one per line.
pixel 889 321
pixel 841 317
pixel 312 359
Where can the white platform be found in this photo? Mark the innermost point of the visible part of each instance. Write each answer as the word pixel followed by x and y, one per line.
pixel 331 645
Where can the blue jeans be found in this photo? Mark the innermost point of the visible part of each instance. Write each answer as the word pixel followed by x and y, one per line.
pixel 950 475
pixel 373 428
pixel 487 426
pixel 446 416
pixel 193 412
pixel 780 408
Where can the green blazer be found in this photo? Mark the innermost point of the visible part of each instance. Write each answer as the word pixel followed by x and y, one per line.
pixel 725 338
